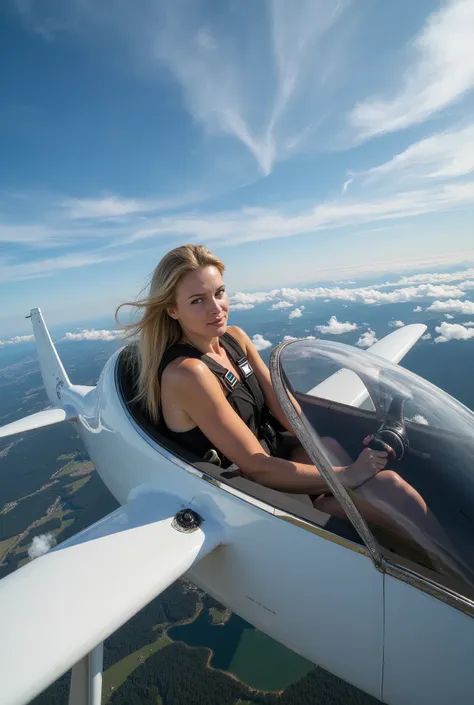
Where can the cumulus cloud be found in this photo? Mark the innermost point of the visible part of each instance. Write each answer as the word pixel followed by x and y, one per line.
pixel 367 339
pixel 93 334
pixel 418 418
pixel 439 72
pixel 17 339
pixel 335 327
pixel 282 304
pixel 241 307
pixel 297 313
pixel 369 295
pixel 453 331
pixel 435 277
pixel 396 324
pixel 449 316
pixel 417 309
pixel 41 544
pixel 260 343
pixel 466 307
pixel 288 338
pixel 426 336
pixel 468 324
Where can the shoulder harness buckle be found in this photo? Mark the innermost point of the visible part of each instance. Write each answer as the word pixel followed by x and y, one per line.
pixel 230 380
pixel 245 367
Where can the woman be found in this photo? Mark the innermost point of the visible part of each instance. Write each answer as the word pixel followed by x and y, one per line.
pixel 197 386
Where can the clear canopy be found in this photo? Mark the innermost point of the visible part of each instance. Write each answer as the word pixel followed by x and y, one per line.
pixel 348 395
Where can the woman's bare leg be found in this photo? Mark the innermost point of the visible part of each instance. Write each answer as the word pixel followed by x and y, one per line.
pixel 390 502
pixel 335 452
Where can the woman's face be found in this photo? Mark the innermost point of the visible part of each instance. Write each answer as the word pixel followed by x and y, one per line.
pixel 202 304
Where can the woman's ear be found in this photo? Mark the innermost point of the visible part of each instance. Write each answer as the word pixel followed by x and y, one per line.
pixel 171 313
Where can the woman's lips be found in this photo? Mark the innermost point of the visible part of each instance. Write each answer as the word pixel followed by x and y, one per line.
pixel 218 321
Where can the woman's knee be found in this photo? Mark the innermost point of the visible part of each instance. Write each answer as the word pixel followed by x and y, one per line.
pixel 390 478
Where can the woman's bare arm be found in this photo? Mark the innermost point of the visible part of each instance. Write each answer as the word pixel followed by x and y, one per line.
pixel 201 397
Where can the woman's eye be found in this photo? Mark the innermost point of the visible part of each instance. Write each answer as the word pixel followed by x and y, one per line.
pixel 221 292
pixel 196 301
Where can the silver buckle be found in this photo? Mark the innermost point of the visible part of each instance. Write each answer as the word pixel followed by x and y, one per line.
pixel 245 367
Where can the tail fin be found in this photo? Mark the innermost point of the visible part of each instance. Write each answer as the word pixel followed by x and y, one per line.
pixel 54 379
pixel 52 370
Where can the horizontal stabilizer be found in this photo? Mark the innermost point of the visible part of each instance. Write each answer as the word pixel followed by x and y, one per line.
pixel 346 387
pixel 48 417
pixel 57 608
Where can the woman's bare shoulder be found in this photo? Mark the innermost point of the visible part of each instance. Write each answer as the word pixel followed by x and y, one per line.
pixel 184 373
pixel 240 335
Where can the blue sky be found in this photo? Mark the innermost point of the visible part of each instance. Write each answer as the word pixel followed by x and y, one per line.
pixel 303 141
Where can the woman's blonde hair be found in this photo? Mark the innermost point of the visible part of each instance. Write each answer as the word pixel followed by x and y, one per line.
pixel 156 330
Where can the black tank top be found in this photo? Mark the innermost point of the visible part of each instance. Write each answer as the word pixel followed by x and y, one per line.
pixel 246 397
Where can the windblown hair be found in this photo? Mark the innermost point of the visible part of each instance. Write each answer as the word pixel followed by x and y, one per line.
pixel 156 330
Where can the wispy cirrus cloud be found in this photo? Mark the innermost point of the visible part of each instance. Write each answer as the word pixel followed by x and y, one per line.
pixel 443 155
pixel 255 72
pixel 251 224
pixel 115 206
pixel 245 83
pixel 36 269
pixel 439 71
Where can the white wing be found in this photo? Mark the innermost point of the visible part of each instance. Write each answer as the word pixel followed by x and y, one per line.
pixel 347 388
pixel 55 609
pixel 40 419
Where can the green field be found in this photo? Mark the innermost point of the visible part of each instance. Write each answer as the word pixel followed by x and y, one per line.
pixel 118 673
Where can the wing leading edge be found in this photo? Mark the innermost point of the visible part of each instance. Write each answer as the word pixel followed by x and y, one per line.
pixel 57 608
pixel 347 388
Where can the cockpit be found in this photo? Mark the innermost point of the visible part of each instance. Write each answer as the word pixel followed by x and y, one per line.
pixel 328 389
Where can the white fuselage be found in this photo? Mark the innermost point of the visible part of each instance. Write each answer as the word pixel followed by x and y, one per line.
pixel 321 598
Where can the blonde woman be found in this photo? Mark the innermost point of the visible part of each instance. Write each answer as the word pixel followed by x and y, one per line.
pixel 204 384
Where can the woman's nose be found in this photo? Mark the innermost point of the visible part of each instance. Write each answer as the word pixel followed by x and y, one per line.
pixel 215 305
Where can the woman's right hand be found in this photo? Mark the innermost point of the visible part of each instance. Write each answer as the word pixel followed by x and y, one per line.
pixel 368 464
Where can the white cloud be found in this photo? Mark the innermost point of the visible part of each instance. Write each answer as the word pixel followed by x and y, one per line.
pixel 418 418
pixel 288 338
pixel 435 277
pixel 282 304
pixel 241 307
pixel 453 331
pixel 468 324
pixel 367 339
pixel 249 225
pixel 41 544
pixel 257 297
pixel 417 309
pixel 39 268
pixel 449 316
pixel 444 155
pixel 260 343
pixel 365 295
pixel 455 305
pixel 220 69
pixel 297 313
pixel 17 339
pixel 114 206
pixel 93 334
pixel 396 324
pixel 426 336
pixel 335 327
pixel 440 71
